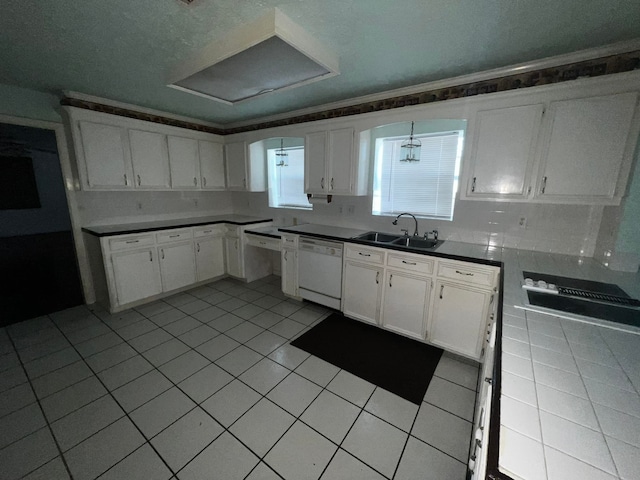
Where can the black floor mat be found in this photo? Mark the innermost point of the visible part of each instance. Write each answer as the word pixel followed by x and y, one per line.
pixel 390 361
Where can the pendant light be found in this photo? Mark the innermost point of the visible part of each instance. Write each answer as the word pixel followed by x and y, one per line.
pixel 410 149
pixel 281 155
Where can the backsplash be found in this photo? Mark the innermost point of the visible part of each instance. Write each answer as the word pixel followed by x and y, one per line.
pixel 99 208
pixel 567 229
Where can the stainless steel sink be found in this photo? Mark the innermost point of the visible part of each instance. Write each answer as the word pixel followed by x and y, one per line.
pixel 379 237
pixel 418 242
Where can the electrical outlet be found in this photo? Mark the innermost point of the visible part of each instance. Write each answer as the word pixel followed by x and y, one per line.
pixel 351 209
pixel 522 223
pixel 340 209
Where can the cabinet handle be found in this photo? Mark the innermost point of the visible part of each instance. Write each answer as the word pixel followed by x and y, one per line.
pixel 473 185
pixel 390 278
pixel 331 183
pixel 198 245
pixel 162 252
pixel 364 254
pixel 377 277
pixel 441 290
pixel 244 182
pixel 285 255
pixel 139 180
pixel 126 182
pixel 491 301
pixel 263 243
pixel 150 255
pixel 206 231
pixel 464 273
pixel 408 263
pixel 174 236
pixel 204 181
pixel 529 190
pixel 195 181
pixel 544 185
pixel 132 241
pixel 322 183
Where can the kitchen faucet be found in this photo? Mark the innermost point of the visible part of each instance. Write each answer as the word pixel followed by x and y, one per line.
pixel 415 233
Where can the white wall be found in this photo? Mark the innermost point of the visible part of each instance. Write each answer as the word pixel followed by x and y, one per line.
pixel 570 229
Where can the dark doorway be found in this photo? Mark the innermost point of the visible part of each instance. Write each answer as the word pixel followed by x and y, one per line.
pixel 38 265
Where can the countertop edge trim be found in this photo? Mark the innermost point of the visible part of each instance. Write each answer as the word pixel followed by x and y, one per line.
pixel 263 234
pixel 185 225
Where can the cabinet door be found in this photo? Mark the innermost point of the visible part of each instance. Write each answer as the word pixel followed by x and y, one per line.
pixel 502 152
pixel 184 161
pixel 150 159
pixel 105 156
pixel 236 163
pixel 586 147
pixel 341 161
pixel 177 265
pixel 233 255
pixel 315 154
pixel 405 305
pixel 211 165
pixel 209 257
pixel 136 275
pixel 460 315
pixel 290 272
pixel 362 291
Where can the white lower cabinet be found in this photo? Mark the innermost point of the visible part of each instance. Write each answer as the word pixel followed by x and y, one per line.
pixel 362 291
pixel 460 314
pixel 234 256
pixel 136 275
pixel 405 307
pixel 209 257
pixel 177 265
pixel 289 258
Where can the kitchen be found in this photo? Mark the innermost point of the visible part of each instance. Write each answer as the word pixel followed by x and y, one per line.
pixel 583 230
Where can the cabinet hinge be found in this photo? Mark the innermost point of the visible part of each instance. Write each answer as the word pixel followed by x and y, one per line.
pixel 489 380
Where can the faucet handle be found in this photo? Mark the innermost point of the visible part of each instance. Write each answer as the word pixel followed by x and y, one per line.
pixel 406 232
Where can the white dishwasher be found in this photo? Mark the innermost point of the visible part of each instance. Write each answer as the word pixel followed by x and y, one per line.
pixel 320 271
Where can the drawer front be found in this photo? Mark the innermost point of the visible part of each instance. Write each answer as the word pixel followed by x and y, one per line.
pixel 208 231
pixel 412 263
pixel 289 241
pixel 233 231
pixel 131 241
pixel 364 254
pixel 467 273
pixel 263 242
pixel 174 235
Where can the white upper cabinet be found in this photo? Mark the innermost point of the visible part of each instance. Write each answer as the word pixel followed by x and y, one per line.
pixel 211 165
pixel 235 158
pixel 105 152
pixel 331 165
pixel 184 159
pixel 586 142
pixel 502 152
pixel 150 159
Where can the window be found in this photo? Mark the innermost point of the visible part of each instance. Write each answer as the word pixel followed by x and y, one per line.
pixel 286 178
pixel 426 188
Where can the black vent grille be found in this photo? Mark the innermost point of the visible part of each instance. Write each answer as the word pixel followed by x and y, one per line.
pixel 599 297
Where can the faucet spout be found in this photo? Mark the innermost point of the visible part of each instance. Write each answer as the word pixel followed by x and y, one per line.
pixel 395 222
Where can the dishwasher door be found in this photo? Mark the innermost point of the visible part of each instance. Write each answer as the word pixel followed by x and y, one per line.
pixel 320 267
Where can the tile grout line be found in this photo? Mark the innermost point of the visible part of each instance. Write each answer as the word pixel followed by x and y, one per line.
pixel 44 416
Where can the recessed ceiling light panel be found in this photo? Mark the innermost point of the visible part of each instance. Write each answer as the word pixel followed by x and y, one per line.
pixel 265 56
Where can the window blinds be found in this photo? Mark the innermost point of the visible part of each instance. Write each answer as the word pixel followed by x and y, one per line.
pixel 426 188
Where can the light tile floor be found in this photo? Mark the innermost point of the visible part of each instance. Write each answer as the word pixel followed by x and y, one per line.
pixel 204 384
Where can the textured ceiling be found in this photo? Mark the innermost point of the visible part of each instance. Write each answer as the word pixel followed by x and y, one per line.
pixel 124 50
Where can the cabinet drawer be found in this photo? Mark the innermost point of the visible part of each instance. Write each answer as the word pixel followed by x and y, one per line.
pixel 233 231
pixel 413 263
pixel 364 254
pixel 467 273
pixel 208 230
pixel 289 241
pixel 263 242
pixel 174 235
pixel 130 241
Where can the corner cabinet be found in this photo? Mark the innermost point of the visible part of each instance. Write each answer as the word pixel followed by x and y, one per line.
pixel 331 164
pixel 246 167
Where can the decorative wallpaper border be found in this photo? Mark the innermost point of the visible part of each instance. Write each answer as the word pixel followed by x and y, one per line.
pixel 609 65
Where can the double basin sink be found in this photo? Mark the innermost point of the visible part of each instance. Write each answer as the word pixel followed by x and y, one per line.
pixel 418 243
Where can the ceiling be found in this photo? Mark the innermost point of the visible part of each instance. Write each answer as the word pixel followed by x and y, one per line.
pixel 124 50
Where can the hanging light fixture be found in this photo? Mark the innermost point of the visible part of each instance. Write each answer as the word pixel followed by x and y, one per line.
pixel 281 155
pixel 410 149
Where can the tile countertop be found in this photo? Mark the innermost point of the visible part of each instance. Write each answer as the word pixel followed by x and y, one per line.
pixel 137 227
